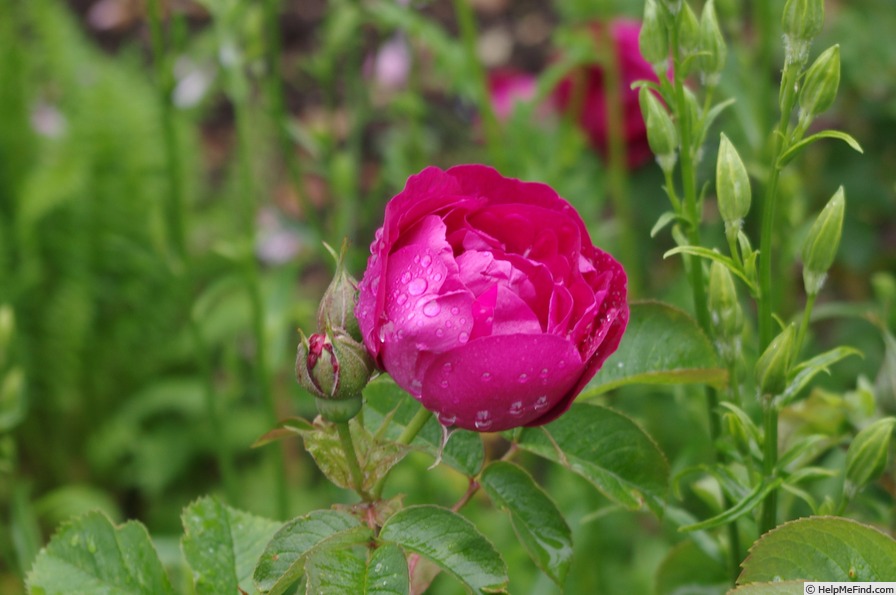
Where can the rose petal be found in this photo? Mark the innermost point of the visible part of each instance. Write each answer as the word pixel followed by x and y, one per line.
pixel 501 382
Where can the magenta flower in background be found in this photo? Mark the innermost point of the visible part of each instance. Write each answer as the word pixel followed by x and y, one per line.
pixel 509 87
pixel 485 299
pixel 591 105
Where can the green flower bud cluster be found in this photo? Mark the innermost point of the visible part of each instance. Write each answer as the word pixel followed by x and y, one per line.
pixel 820 247
pixel 332 364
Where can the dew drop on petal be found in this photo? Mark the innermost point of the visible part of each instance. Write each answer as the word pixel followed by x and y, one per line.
pixel 544 373
pixel 432 308
pixel 523 378
pixel 426 260
pixel 447 420
pixel 455 311
pixel 541 402
pixel 416 386
pixel 444 384
pixel 402 298
pixel 437 277
pixel 440 332
pixel 516 408
pixel 447 367
pixel 486 377
pixel 406 277
pixel 463 337
pixel 417 286
pixel 483 420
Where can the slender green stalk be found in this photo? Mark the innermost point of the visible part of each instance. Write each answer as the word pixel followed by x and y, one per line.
pixel 179 224
pixel 769 514
pixel 247 217
pixel 407 435
pixel 618 164
pixel 766 298
pixel 279 114
pixel 466 22
pixel 804 324
pixel 690 210
pixel 351 457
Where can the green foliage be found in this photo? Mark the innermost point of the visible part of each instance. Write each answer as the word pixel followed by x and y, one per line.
pixel 91 555
pixel 662 345
pixel 450 541
pixel 821 549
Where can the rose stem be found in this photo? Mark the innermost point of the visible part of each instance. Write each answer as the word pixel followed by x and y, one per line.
pixel 178 223
pixel 351 457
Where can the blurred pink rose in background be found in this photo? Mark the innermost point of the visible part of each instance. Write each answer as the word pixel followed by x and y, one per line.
pixel 485 299
pixel 584 91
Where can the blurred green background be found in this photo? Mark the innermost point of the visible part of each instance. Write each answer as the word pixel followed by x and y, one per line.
pixel 169 169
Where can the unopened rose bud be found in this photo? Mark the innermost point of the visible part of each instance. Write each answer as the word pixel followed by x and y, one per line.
pixel 774 364
pixel 337 307
pixel 653 39
pixel 732 187
pixel 822 242
pixel 724 309
pixel 802 21
pixel 713 50
pixel 820 84
pixel 334 369
pixel 661 134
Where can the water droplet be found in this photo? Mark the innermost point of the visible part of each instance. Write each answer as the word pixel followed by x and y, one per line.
pixel 447 367
pixel 444 384
pixel 516 408
pixel 447 420
pixel 455 310
pixel 91 546
pixel 378 567
pixel 486 377
pixel 440 332
pixel 541 402
pixel 405 277
pixel 523 378
pixel 402 298
pixel 544 373
pixel 426 261
pixel 437 277
pixel 416 387
pixel 463 337
pixel 561 363
pixel 432 308
pixel 417 258
pixel 483 420
pixel 417 286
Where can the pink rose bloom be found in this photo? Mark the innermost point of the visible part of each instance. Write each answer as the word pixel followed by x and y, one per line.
pixel 485 299
pixel 592 106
